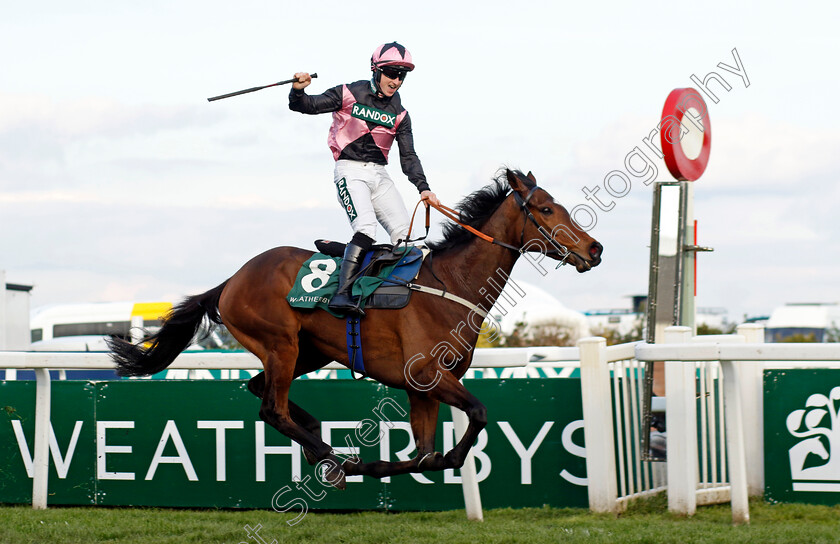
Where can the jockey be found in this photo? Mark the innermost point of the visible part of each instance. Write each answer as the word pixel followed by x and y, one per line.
pixel 367 117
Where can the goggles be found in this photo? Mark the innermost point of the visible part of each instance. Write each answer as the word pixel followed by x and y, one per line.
pixel 394 73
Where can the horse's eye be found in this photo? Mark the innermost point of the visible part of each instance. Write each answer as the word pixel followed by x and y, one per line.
pixel 546 211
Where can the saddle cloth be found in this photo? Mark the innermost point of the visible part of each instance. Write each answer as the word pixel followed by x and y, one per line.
pixel 385 273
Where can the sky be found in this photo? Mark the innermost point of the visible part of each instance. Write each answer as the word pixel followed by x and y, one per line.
pixel 120 181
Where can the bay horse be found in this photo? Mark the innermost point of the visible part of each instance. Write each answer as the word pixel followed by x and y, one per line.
pixel 410 349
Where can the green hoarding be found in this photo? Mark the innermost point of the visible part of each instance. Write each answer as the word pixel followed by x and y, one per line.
pixel 802 435
pixel 202 444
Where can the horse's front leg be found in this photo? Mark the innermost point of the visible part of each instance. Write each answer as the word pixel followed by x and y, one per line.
pixel 424 417
pixel 424 414
pixel 452 392
pixel 424 411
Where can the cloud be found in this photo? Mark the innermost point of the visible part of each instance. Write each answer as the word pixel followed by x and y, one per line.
pixel 108 250
pixel 97 117
pixel 756 152
pixel 44 142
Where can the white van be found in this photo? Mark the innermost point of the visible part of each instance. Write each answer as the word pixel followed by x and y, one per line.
pixel 48 324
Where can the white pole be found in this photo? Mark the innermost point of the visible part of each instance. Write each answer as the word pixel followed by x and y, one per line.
pixel 598 427
pixel 136 330
pixel 735 443
pixel 469 480
pixel 752 408
pixel 40 458
pixel 681 410
pixel 3 316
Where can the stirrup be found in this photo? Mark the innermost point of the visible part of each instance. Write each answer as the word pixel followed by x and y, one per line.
pixel 343 302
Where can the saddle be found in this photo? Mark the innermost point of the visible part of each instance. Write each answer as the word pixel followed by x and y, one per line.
pixel 381 282
pixel 392 293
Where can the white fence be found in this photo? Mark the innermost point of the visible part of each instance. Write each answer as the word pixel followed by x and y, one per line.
pixel 711 469
pixel 43 362
pixel 697 472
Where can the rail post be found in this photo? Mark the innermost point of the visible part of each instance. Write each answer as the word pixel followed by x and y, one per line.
pixel 598 425
pixel 40 457
pixel 735 451
pixel 752 408
pixel 469 478
pixel 681 410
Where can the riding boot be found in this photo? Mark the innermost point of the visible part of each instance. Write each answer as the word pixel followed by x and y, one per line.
pixel 343 301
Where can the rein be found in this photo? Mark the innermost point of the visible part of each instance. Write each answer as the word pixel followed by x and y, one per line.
pixel 453 215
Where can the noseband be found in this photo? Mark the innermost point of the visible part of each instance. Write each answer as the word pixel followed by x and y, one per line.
pixel 559 249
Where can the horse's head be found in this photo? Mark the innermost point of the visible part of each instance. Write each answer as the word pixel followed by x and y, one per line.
pixel 548 228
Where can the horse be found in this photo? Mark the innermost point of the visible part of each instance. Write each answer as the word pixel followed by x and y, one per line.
pixel 424 348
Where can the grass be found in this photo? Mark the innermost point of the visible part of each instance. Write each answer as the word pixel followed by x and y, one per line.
pixel 645 521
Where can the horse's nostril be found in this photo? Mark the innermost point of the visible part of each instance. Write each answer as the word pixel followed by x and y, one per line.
pixel 595 250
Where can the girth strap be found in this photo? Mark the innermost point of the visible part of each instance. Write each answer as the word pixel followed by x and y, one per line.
pixel 354 344
pixel 447 295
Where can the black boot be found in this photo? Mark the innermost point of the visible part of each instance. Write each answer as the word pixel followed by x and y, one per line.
pixel 343 301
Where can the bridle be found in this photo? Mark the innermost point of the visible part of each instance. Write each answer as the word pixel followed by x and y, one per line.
pixel 561 251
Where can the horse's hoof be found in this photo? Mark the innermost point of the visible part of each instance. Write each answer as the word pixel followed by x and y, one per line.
pixel 431 461
pixel 341 484
pixel 451 461
pixel 335 477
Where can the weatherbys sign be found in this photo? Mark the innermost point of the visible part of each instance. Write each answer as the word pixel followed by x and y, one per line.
pixel 201 443
pixel 802 435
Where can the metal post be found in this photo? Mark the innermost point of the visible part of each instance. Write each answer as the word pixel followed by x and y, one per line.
pixel 598 425
pixel 686 303
pixel 40 457
pixel 681 407
pixel 469 480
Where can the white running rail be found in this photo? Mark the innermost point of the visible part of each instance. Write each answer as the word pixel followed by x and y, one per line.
pixel 741 359
pixel 43 362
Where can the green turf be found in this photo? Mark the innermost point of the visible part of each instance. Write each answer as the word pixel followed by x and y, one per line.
pixel 644 522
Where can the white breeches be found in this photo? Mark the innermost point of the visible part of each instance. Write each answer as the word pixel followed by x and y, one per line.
pixel 368 195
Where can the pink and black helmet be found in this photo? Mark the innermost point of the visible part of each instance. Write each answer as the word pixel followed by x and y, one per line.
pixel 391 54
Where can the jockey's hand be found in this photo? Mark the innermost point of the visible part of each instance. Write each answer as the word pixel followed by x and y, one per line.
pixel 303 80
pixel 429 197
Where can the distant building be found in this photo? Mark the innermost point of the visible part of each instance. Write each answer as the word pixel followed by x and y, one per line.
pixel 810 320
pixel 14 315
pixel 622 321
pixel 714 318
pixel 625 320
pixel 527 303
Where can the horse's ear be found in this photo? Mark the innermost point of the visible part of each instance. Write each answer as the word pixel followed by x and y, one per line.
pixel 531 177
pixel 516 183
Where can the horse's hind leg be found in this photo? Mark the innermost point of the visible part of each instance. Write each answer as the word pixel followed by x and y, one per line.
pixel 308 360
pixel 308 422
pixel 277 411
pixel 256 385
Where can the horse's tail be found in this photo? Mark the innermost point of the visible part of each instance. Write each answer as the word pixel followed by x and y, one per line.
pixel 179 328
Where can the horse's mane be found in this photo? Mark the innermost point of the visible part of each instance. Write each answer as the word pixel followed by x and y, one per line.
pixel 474 210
